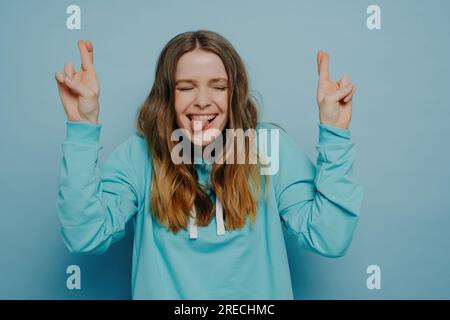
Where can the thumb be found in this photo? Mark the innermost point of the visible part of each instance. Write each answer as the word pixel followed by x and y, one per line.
pixel 345 79
pixel 341 93
pixel 62 87
pixel 76 86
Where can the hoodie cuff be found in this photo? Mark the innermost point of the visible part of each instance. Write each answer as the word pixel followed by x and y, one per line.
pixel 330 134
pixel 82 132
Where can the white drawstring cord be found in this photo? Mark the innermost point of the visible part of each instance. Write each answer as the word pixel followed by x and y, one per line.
pixel 193 224
pixel 219 218
pixel 219 221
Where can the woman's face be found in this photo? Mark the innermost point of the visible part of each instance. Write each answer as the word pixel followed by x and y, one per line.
pixel 201 95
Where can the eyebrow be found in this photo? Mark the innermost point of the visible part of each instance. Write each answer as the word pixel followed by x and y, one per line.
pixel 193 81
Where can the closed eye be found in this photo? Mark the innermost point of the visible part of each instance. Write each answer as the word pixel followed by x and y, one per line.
pixel 218 88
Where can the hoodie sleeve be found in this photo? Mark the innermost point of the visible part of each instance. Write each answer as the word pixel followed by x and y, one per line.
pixel 94 204
pixel 320 205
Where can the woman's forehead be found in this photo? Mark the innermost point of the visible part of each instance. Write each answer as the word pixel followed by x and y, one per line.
pixel 200 64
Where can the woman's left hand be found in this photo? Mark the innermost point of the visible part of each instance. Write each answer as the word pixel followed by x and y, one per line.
pixel 333 98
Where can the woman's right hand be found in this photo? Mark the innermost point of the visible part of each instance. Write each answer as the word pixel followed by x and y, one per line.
pixel 80 91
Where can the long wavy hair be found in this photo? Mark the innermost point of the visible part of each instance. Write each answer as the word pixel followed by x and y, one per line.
pixel 175 188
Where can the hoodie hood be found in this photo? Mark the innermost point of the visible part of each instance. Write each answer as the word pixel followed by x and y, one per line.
pixel 203 169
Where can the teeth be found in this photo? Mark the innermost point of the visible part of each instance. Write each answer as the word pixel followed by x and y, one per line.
pixel 203 117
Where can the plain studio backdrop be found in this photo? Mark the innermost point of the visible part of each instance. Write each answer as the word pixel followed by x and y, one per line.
pixel 400 126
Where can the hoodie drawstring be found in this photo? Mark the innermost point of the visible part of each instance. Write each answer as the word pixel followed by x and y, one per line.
pixel 219 221
pixel 192 224
pixel 219 218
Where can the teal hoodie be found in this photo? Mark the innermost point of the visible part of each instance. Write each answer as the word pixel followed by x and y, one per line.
pixel 320 206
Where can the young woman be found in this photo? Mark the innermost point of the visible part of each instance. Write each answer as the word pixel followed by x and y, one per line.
pixel 205 230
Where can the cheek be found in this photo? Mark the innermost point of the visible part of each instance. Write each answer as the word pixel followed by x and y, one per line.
pixel 224 108
pixel 181 104
pixel 223 103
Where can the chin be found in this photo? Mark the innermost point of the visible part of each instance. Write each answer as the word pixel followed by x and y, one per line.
pixel 198 141
pixel 204 137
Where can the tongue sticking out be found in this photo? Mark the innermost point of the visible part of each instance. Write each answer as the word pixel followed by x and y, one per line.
pixel 199 125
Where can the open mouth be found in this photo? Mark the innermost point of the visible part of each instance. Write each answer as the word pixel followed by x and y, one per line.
pixel 201 121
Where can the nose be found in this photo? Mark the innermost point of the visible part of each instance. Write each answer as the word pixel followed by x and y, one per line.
pixel 202 99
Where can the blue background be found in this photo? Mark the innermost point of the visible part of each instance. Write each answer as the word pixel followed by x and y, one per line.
pixel 400 126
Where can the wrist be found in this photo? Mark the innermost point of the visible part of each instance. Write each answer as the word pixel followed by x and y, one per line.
pixel 337 125
pixel 88 120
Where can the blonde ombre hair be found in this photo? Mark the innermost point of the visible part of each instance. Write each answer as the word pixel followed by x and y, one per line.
pixel 175 188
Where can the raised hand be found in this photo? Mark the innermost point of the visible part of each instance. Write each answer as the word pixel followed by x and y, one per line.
pixel 333 98
pixel 79 91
